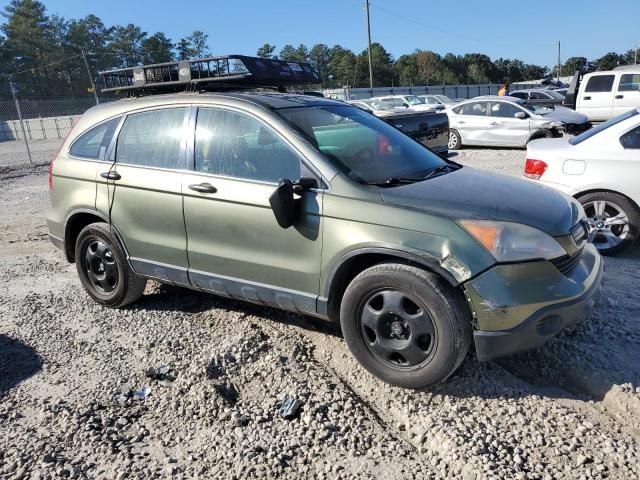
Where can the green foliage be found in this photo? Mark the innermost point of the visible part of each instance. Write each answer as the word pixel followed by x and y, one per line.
pixel 48 51
pixel 193 46
pixel 267 51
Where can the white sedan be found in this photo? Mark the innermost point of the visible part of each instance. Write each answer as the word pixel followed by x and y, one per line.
pixel 601 168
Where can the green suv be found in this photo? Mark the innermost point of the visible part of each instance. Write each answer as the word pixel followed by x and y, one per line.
pixel 318 207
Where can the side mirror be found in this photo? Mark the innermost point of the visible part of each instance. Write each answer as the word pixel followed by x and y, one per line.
pixel 282 204
pixel 282 200
pixel 521 115
pixel 405 105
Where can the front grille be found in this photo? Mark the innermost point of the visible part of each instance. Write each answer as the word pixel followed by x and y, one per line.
pixel 567 263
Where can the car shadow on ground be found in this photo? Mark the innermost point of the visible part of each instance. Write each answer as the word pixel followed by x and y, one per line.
pixel 179 299
pixel 17 363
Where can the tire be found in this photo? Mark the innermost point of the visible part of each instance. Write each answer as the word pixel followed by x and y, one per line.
pixel 455 142
pixel 541 134
pixel 103 268
pixel 405 325
pixel 614 221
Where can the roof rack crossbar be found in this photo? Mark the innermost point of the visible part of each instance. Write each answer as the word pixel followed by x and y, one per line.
pixel 209 73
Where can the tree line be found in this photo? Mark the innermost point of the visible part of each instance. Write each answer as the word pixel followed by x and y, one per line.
pixel 49 49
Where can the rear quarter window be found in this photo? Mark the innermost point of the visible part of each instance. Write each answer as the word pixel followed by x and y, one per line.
pixel 94 143
pixel 600 83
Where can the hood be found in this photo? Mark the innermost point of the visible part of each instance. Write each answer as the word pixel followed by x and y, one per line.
pixel 566 115
pixel 474 194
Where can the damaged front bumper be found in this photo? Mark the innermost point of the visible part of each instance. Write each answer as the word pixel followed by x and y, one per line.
pixel 517 307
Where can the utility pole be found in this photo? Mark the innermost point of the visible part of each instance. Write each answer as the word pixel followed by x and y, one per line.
pixel 635 56
pixel 93 85
pixel 559 67
pixel 12 87
pixel 366 8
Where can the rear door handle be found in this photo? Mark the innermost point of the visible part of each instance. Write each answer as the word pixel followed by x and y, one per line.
pixel 203 188
pixel 586 98
pixel 112 175
pixel 619 96
pixel 493 124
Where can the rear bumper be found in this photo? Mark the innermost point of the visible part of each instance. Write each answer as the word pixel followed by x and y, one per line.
pixel 539 304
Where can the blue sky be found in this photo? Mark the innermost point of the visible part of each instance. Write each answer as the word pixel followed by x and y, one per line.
pixel 516 29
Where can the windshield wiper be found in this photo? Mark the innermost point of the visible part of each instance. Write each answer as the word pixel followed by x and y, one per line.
pixel 390 181
pixel 441 170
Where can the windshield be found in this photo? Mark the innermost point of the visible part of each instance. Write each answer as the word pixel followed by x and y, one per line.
pixel 413 100
pixel 603 126
pixel 555 94
pixel 379 105
pixel 362 146
pixel 444 98
pixel 537 109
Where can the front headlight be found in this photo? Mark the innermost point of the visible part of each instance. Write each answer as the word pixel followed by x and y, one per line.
pixel 512 242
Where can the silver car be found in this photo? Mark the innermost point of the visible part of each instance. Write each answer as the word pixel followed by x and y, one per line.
pixel 438 100
pixel 508 122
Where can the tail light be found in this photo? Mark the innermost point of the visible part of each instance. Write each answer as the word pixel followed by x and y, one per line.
pixel 534 168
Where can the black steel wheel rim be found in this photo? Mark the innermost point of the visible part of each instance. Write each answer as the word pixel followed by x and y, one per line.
pixel 101 266
pixel 397 329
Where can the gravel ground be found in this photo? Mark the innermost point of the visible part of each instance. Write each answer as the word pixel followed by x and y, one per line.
pixel 71 372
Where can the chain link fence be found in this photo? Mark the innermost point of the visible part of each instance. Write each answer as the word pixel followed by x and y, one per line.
pixel 33 125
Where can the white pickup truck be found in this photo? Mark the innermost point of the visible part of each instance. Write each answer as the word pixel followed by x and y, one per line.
pixel 604 95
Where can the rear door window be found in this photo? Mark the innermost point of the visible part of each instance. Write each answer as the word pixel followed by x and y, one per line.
pixel 629 82
pixel 600 83
pixel 94 143
pixel 153 138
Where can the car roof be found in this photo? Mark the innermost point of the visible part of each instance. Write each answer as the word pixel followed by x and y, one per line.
pixel 528 90
pixel 497 98
pixel 267 100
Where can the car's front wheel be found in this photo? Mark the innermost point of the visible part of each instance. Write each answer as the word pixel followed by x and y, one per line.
pixel 103 268
pixel 613 221
pixel 405 325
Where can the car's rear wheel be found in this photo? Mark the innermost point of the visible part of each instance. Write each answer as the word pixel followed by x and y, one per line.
pixel 455 142
pixel 614 221
pixel 103 268
pixel 405 325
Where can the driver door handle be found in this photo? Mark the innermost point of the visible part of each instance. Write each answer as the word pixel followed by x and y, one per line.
pixel 586 98
pixel 203 188
pixel 494 124
pixel 112 175
pixel 619 96
pixel 460 122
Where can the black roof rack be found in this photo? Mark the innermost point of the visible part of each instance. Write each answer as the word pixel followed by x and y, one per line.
pixel 210 73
